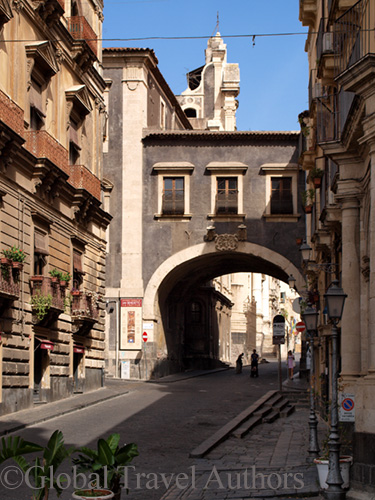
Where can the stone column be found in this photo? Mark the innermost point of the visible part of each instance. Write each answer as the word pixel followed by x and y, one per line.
pixel 351 272
pixel 371 263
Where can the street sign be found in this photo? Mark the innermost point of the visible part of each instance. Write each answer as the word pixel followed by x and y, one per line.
pixel 300 326
pixel 144 336
pixel 278 330
pixel 347 408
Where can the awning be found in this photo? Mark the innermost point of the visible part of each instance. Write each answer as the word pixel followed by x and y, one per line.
pixel 78 349
pixel 45 344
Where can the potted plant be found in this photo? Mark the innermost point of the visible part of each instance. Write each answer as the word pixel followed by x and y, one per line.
pixel 108 461
pixel 45 467
pixel 41 304
pixel 322 462
pixel 15 446
pixel 316 175
pixel 308 197
pixel 64 279
pixel 99 494
pixel 55 275
pixel 16 255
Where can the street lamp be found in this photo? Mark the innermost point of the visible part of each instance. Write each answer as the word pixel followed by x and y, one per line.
pixel 305 250
pixel 335 299
pixel 310 318
pixel 291 281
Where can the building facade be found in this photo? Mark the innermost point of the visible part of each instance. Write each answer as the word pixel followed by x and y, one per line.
pixel 52 118
pixel 339 128
pixel 189 204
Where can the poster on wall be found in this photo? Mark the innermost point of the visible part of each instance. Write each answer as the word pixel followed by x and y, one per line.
pixel 131 324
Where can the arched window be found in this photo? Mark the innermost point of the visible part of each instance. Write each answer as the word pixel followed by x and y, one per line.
pixel 191 112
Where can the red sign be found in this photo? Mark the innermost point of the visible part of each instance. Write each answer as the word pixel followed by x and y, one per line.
pixel 131 302
pixel 300 327
pixel 79 350
pixel 46 345
pixel 144 336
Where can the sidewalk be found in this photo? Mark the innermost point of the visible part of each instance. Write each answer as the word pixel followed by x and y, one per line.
pixel 46 411
pixel 270 462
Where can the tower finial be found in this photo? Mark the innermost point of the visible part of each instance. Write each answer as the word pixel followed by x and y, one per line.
pixel 216 30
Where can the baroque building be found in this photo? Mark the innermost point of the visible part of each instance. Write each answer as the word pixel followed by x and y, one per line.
pixel 339 128
pixel 52 123
pixel 192 199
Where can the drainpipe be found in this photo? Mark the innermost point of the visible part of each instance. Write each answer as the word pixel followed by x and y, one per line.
pixel 110 311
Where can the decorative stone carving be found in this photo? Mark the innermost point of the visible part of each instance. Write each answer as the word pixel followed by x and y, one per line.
pixel 225 242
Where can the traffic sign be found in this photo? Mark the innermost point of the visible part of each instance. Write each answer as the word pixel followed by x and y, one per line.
pixel 144 336
pixel 300 326
pixel 346 408
pixel 278 330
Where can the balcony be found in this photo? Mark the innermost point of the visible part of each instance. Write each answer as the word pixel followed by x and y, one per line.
pixel 82 178
pixel 324 53
pixel 80 29
pixel 307 12
pixel 47 299
pixel 333 112
pixel 173 206
pixel 84 311
pixel 353 35
pixel 227 203
pixel 11 114
pixel 42 145
pixel 9 283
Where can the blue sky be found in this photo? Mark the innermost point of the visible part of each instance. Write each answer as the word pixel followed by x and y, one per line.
pixel 273 72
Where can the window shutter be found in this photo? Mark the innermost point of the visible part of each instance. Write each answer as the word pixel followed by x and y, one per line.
pixel 40 243
pixel 77 262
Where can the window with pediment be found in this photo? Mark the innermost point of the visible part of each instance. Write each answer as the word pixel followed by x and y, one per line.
pixel 79 106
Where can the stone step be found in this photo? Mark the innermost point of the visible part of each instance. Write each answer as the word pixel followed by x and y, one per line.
pixel 271 417
pixel 274 400
pixel 288 410
pixel 247 426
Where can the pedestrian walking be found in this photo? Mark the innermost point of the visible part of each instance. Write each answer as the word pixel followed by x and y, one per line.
pixel 291 364
pixel 239 363
pixel 254 364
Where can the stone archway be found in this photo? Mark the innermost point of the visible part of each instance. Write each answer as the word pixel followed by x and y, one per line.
pixel 177 282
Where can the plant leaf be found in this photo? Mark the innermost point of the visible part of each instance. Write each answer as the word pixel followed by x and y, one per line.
pixel 113 441
pixel 105 455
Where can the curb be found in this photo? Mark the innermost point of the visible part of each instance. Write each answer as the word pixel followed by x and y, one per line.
pixel 60 413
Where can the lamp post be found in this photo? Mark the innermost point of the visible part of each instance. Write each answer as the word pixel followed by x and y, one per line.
pixel 310 318
pixel 335 299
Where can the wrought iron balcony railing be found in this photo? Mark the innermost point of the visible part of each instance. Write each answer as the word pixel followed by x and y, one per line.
pixel 173 206
pixel 227 202
pixel 44 285
pixel 332 115
pixel 354 35
pixel 81 30
pixel 84 306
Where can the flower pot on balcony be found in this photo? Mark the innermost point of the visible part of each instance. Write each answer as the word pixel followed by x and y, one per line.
pixel 5 261
pixel 308 209
pixel 17 265
pixel 317 182
pixel 76 293
pixel 54 280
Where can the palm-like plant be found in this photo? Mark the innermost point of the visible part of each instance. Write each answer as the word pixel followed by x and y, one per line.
pixel 15 446
pixel 44 469
pixel 107 461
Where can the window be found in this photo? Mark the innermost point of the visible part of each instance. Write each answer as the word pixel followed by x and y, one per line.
pixel 37 115
pixel 173 195
pixel 77 269
pixel 74 147
pixel 281 195
pixel 196 312
pixel 173 189
pixel 281 190
pixel 40 252
pixel 227 189
pixel 227 195
pixel 191 112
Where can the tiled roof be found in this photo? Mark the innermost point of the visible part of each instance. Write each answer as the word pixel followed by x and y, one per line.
pixel 220 135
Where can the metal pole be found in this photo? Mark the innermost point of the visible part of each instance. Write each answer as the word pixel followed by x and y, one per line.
pixel 334 478
pixel 280 373
pixel 144 349
pixel 313 421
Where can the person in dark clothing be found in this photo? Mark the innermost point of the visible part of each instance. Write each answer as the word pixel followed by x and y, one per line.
pixel 254 364
pixel 239 363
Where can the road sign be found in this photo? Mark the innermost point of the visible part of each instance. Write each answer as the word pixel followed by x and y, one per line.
pixel 346 408
pixel 278 330
pixel 144 336
pixel 300 326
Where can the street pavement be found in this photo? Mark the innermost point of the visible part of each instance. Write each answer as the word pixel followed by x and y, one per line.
pixel 267 463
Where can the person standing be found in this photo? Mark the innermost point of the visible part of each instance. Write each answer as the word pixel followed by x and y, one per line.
pixel 290 362
pixel 239 363
pixel 254 364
